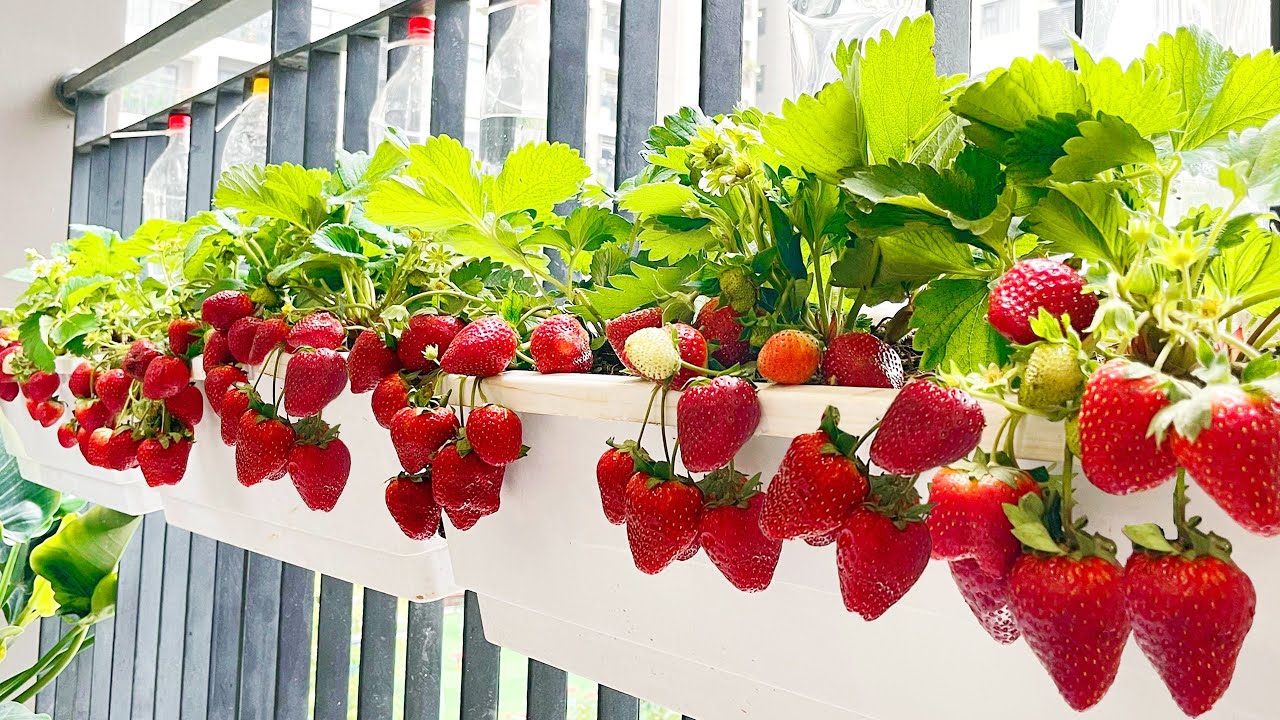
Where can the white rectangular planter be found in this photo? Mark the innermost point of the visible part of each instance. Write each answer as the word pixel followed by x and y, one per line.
pixel 556 582
pixel 357 541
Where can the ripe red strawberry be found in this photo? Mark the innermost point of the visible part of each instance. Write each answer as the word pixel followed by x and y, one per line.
pixel 860 359
pixel 425 339
pixel 466 487
pixel 67 435
pixel 120 451
pixel 719 324
pixel 411 504
pixel 262 448
pixel 369 361
pixel 161 463
pixel 45 412
pixel 926 426
pixel 216 350
pixel 81 381
pixel 94 447
pixel 987 597
pixel 92 415
pixel 390 396
pixel 319 330
pixel 662 520
pixel 138 358
pixel 731 535
pixel 187 406
pixel 1235 459
pixel 968 519
pixel 495 434
pixel 559 344
pixel 223 308
pixel 112 388
pixel 320 472
pixel 241 336
pixel 818 484
pixel 83 436
pixel 166 376
pixel 620 328
pixel 690 551
pixel 183 333
pixel 418 434
pixel 614 468
pixel 8 390
pixel 1072 614
pixel 693 350
pixel 483 348
pixel 1033 284
pixel 878 561
pixel 789 357
pixel 271 333
pixel 1116 453
pixel 1190 617
pixel 216 382
pixel 235 403
pixel 40 386
pixel 714 419
pixel 313 379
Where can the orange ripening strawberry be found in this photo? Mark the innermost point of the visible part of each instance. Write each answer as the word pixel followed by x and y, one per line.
pixel 313 378
pixel 789 357
pixel 614 468
pixel 968 519
pixel 729 530
pixel 320 470
pixel 216 382
pixel 559 344
pixel 320 330
pixel 262 448
pixel 879 560
pixel 483 348
pixel 411 504
pixel 138 358
pixel 390 396
pixel 417 434
pixel 1072 614
pixel 369 361
pixel 187 406
pixel 1235 454
pixel 495 434
pixel 714 419
pixel 662 520
pixel 860 359
pixel 223 308
pixel 692 347
pixel 1117 453
pixel 163 462
pixel 40 386
pixel 1190 616
pixel 926 426
pixel 183 333
pixel 112 388
pixel 987 597
pixel 269 336
pixel 1037 283
pixel 466 487
pixel 719 324
pixel 166 376
pixel 618 329
pixel 81 381
pixel 817 486
pixel 425 339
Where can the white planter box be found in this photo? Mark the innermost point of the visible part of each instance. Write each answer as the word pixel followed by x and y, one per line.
pixel 556 582
pixel 43 461
pixel 357 541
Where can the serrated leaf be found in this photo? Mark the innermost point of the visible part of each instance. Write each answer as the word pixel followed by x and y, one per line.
pixel 672 245
pixel 339 240
pixel 821 134
pixel 281 192
pixel 1196 66
pixel 1103 144
pixel 1085 219
pixel 665 198
pixel 104 253
pixel 970 189
pixel 951 326
pixel 73 326
pixel 1006 101
pixel 922 253
pixel 1259 152
pixel 902 95
pixel 628 292
pixel 1142 96
pixel 1031 150
pixel 34 334
pixel 440 189
pixel 1252 266
pixel 537 176
pixel 1249 97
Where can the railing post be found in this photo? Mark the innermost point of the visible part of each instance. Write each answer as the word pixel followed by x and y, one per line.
pixel 720 80
pixel 637 84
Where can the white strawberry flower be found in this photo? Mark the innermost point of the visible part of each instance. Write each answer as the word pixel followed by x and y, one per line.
pixel 652 352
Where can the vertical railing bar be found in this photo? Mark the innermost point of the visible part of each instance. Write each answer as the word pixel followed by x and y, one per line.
pixel 258 651
pixel 720 77
pixel 567 78
pixel 78 206
pixel 424 659
pixel 117 166
pixel 198 651
pixel 293 652
pixel 637 84
pixel 360 91
pixel 481 664
pixel 333 649
pixel 228 614
pixel 397 30
pixel 99 180
pixel 614 705
pixel 200 160
pixel 173 629
pixel 547 695
pixel 953 24
pixel 228 99
pixel 1275 25
pixel 130 585
pixel 1077 21
pixel 51 631
pixel 64 698
pixel 91 112
pixel 321 138
pixel 151 578
pixel 449 79
pixel 134 174
pixel 377 656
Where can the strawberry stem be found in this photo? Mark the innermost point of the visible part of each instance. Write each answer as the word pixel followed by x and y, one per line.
pixel 644 424
pixel 1014 419
pixel 662 420
pixel 1180 502
pixel 1068 525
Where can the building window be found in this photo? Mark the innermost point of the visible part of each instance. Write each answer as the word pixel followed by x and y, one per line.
pixel 999 17
pixel 610 37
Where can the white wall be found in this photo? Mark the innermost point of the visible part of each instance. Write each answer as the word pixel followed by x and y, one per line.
pixel 38 43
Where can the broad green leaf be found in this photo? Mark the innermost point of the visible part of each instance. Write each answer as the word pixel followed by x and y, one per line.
pixel 1259 152
pixel 72 327
pixel 104 254
pixel 822 135
pixel 665 198
pixel 970 189
pixel 27 510
pixel 1030 88
pixel 1249 267
pixel 942 144
pixel 537 176
pixel 1250 96
pixel 675 130
pixel 1103 144
pixel 1030 152
pixel 628 292
pixel 1196 66
pixel 76 289
pixel 951 326
pixel 787 241
pixel 922 253
pixel 340 240
pixel 1088 220
pixel 402 202
pixel 674 245
pixel 1144 97
pixel 501 244
pixel 34 334
pixel 83 553
pixel 902 95
pixel 280 192
pixel 443 161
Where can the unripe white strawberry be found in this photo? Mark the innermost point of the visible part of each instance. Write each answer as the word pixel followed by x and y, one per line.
pixel 653 353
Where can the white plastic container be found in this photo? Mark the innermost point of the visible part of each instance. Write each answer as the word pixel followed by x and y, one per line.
pixel 404 103
pixel 247 139
pixel 556 582
pixel 357 541
pixel 515 85
pixel 164 191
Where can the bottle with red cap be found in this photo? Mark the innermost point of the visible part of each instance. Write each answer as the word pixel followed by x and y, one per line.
pixel 404 103
pixel 164 191
pixel 247 135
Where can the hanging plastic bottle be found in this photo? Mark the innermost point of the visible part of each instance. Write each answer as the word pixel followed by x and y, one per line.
pixel 247 143
pixel 515 85
pixel 404 103
pixel 164 191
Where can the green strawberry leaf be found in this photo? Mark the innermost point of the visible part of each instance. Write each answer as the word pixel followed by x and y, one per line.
pixel 1149 536
pixel 902 96
pixel 536 177
pixel 1085 219
pixel 1141 95
pixel 951 326
pixel 822 134
pixel 1101 145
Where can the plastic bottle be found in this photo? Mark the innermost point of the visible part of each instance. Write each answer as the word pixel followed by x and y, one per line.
pixel 164 191
pixel 247 143
pixel 515 86
pixel 404 103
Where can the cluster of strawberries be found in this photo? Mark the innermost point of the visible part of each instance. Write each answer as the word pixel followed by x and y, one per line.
pixel 139 414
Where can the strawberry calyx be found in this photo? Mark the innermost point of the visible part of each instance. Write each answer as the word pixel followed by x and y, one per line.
pixel 896 498
pixel 423 476
pixel 727 487
pixel 314 431
pixel 840 442
pixel 999 466
pixel 1038 523
pixel 1191 542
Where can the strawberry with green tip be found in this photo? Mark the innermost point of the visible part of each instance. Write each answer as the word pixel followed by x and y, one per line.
pixel 223 308
pixel 262 447
pixel 369 361
pixel 818 485
pixel 927 426
pixel 559 344
pixel 618 329
pixel 483 348
pixel 1118 454
pixel 1052 377
pixel 495 434
pixel 883 548
pixel 729 530
pixel 412 505
pixel 860 359
pixel 163 460
pixel 427 338
pixel 319 330
pixel 662 517
pixel 319 464
pixel 714 419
